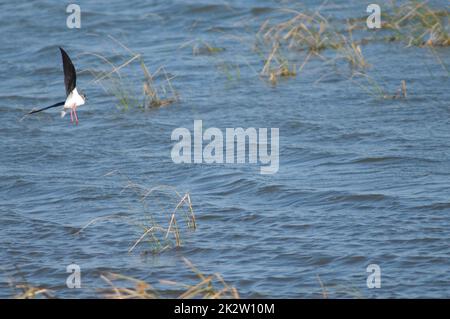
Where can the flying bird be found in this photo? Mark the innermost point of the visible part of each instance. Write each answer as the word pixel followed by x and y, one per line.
pixel 73 98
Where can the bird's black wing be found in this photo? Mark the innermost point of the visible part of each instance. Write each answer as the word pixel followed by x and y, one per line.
pixel 48 107
pixel 70 75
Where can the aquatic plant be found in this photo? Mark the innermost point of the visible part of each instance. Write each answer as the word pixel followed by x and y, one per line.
pixel 208 287
pixel 25 290
pixel 418 24
pixel 344 290
pixel 349 50
pixel 277 65
pixel 308 32
pixel 30 292
pixel 232 71
pixel 377 90
pixel 202 47
pixel 302 32
pixel 159 226
pixel 154 95
pixel 157 88
pixel 302 35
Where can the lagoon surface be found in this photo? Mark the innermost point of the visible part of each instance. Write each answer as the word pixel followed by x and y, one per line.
pixel 361 180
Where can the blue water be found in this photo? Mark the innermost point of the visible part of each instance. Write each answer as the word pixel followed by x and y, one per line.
pixel 361 180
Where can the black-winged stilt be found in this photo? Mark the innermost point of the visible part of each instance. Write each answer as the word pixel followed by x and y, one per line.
pixel 73 97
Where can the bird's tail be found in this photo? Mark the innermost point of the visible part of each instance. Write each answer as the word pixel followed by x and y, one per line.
pixel 63 113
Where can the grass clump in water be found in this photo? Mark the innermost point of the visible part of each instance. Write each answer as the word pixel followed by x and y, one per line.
pixel 202 47
pixel 277 66
pixel 350 51
pixel 157 91
pixel 418 24
pixel 26 291
pixel 154 95
pixel 208 287
pixel 311 34
pixel 275 43
pixel 205 286
pixel 168 215
pixel 301 32
pixel 376 90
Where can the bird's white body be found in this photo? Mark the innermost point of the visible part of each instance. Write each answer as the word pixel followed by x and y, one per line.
pixel 72 102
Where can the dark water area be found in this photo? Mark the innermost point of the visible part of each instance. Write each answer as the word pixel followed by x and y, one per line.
pixel 361 180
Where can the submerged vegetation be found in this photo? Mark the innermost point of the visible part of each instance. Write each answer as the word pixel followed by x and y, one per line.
pixel 277 65
pixel 161 226
pixel 202 47
pixel 206 286
pixel 301 36
pixel 416 23
pixel 304 32
pixel 377 90
pixel 209 286
pixel 286 44
pixel 157 88
pixel 161 230
pixel 27 291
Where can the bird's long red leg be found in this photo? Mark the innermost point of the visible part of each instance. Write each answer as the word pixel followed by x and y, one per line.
pixel 75 112
pixel 71 115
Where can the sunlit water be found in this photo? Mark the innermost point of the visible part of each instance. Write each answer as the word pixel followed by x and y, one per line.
pixel 361 181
